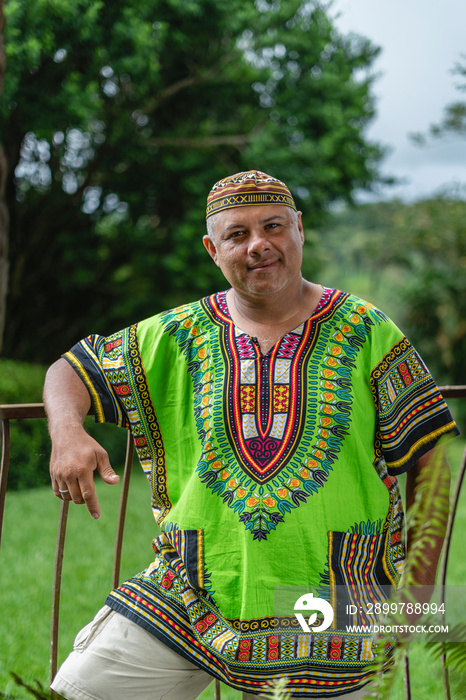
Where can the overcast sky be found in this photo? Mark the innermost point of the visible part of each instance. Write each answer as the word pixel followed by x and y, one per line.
pixel 421 41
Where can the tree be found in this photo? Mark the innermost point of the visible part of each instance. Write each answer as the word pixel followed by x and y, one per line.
pixel 454 120
pixel 116 120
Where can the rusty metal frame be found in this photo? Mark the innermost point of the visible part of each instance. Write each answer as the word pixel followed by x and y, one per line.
pixel 450 392
pixel 36 410
pixel 122 510
pixel 13 411
pixel 56 590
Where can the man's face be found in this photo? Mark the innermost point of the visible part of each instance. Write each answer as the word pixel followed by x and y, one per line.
pixel 258 248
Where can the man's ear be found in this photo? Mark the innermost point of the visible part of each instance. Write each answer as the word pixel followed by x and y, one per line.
pixel 300 227
pixel 210 247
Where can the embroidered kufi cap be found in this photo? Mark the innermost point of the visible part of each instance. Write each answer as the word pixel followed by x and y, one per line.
pixel 245 189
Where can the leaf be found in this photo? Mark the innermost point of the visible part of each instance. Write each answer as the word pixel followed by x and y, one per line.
pixel 39 692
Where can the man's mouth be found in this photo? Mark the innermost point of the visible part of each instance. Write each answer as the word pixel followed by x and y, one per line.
pixel 263 265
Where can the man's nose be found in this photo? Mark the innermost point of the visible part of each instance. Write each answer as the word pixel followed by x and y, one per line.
pixel 258 241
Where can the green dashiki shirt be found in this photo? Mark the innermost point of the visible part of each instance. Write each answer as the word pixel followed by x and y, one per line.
pixel 266 470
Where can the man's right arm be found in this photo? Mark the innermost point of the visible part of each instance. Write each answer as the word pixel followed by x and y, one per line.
pixel 75 454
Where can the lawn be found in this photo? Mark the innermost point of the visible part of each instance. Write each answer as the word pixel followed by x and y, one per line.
pixel 26 560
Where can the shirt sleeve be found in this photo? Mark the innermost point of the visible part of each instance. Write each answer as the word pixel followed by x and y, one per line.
pixel 99 362
pixel 412 413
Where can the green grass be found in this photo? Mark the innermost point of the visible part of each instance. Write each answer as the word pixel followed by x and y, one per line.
pixel 26 562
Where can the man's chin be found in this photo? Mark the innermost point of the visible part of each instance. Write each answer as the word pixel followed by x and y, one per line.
pixel 262 289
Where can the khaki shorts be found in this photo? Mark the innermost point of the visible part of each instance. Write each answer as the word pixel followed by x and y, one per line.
pixel 113 658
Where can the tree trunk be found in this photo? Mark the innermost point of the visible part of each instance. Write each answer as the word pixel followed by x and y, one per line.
pixel 4 217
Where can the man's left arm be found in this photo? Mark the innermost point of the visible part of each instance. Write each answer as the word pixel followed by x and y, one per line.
pixel 424 575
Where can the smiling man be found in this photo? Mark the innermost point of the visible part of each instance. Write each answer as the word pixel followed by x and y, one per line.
pixel 260 251
pixel 271 420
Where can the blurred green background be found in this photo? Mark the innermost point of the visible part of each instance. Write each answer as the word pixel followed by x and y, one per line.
pixel 115 121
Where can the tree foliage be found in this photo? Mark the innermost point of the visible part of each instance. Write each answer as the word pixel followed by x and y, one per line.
pixel 435 292
pixel 410 259
pixel 118 117
pixel 454 119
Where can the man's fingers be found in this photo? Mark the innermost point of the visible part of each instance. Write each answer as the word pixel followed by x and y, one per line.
pixel 105 469
pixel 60 490
pixel 75 492
pixel 87 485
pixel 64 493
pixel 79 492
pixel 72 472
pixel 89 496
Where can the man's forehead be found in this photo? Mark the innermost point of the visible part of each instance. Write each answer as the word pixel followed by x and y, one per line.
pixel 246 216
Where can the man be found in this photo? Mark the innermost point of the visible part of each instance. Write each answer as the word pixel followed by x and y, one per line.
pixel 271 421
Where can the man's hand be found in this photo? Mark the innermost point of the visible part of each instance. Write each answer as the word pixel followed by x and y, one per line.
pixel 75 454
pixel 74 459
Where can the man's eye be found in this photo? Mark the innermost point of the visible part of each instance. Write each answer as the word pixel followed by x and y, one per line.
pixel 235 234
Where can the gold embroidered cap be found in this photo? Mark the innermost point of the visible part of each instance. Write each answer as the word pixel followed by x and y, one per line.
pixel 248 188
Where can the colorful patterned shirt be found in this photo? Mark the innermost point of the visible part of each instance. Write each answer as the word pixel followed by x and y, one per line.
pixel 269 473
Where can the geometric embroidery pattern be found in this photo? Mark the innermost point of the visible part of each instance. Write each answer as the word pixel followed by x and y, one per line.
pixel 268 452
pixel 193 624
pixel 406 398
pixel 248 398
